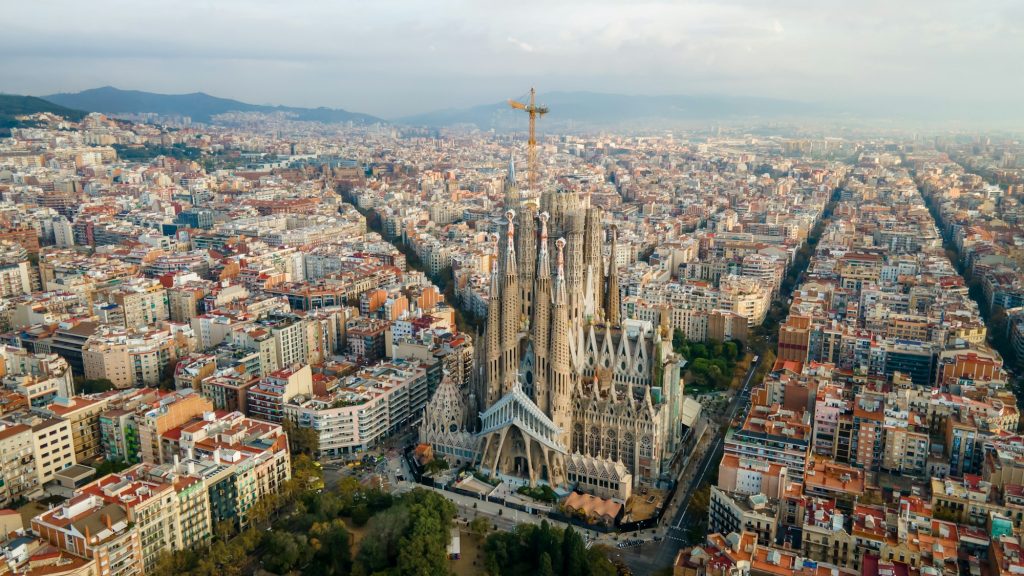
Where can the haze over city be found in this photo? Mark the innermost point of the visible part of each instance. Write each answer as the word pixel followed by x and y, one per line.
pixel 453 288
pixel 923 58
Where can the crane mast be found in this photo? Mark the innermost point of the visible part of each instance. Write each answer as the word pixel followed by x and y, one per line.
pixel 535 112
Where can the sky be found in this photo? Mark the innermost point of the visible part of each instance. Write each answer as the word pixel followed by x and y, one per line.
pixel 392 58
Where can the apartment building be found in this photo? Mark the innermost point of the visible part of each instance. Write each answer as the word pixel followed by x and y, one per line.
pixel 83 415
pixel 135 358
pixel 774 435
pixel 266 400
pixel 40 377
pixel 89 527
pixel 735 512
pixel 364 408
pixel 52 446
pixel 142 301
pixel 151 510
pixel 172 411
pixel 18 477
pixel 248 459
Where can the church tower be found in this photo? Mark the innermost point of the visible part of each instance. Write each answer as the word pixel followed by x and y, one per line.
pixel 492 338
pixel 612 311
pixel 593 261
pixel 510 311
pixel 526 249
pixel 560 378
pixel 540 325
pixel 510 189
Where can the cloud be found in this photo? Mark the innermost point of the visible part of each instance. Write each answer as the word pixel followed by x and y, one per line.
pixel 393 57
pixel 520 44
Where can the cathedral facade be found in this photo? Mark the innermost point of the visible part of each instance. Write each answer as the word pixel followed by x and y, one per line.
pixel 562 382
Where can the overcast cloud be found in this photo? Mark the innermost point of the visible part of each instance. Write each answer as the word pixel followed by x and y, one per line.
pixel 391 58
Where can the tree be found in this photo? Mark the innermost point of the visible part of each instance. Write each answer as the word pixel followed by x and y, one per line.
pixel 945 514
pixel 285 552
pixel 306 473
pixel 109 467
pixel 730 351
pixel 93 386
pixel 436 465
pixel 301 440
pixel 331 554
pixel 480 526
pixel 410 537
pixel 701 500
pixel 498 552
pixel 360 514
pixel 545 565
pixel 678 340
pixel 573 553
pixel 529 549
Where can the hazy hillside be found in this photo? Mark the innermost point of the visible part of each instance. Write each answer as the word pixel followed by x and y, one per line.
pixel 612 109
pixel 199 106
pixel 12 106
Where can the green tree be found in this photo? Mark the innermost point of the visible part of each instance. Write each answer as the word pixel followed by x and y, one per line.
pixel 284 552
pixel 360 514
pixel 301 440
pixel 480 526
pixel 332 556
pixel 730 351
pixel 678 340
pixel 546 568
pixel 307 474
pixel 436 465
pixel 498 550
pixel 93 386
pixel 701 500
pixel 573 553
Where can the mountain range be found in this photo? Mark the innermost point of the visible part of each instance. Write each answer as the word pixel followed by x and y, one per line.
pixel 199 106
pixel 602 109
pixel 567 109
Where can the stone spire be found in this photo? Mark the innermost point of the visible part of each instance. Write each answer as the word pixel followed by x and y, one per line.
pixel 510 311
pixel 560 374
pixel 526 250
pixel 574 266
pixel 612 307
pixel 593 257
pixel 510 188
pixel 492 340
pixel 540 325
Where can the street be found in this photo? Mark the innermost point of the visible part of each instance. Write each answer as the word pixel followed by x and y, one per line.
pixel 676 533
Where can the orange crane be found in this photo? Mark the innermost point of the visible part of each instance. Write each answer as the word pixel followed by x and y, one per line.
pixel 535 112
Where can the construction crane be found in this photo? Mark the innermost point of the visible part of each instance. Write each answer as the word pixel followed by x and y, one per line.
pixel 535 112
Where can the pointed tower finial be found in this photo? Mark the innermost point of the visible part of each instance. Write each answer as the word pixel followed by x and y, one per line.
pixel 510 215
pixel 494 239
pixel 560 245
pixel 544 217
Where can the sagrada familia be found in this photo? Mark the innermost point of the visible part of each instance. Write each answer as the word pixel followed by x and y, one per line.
pixel 565 392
